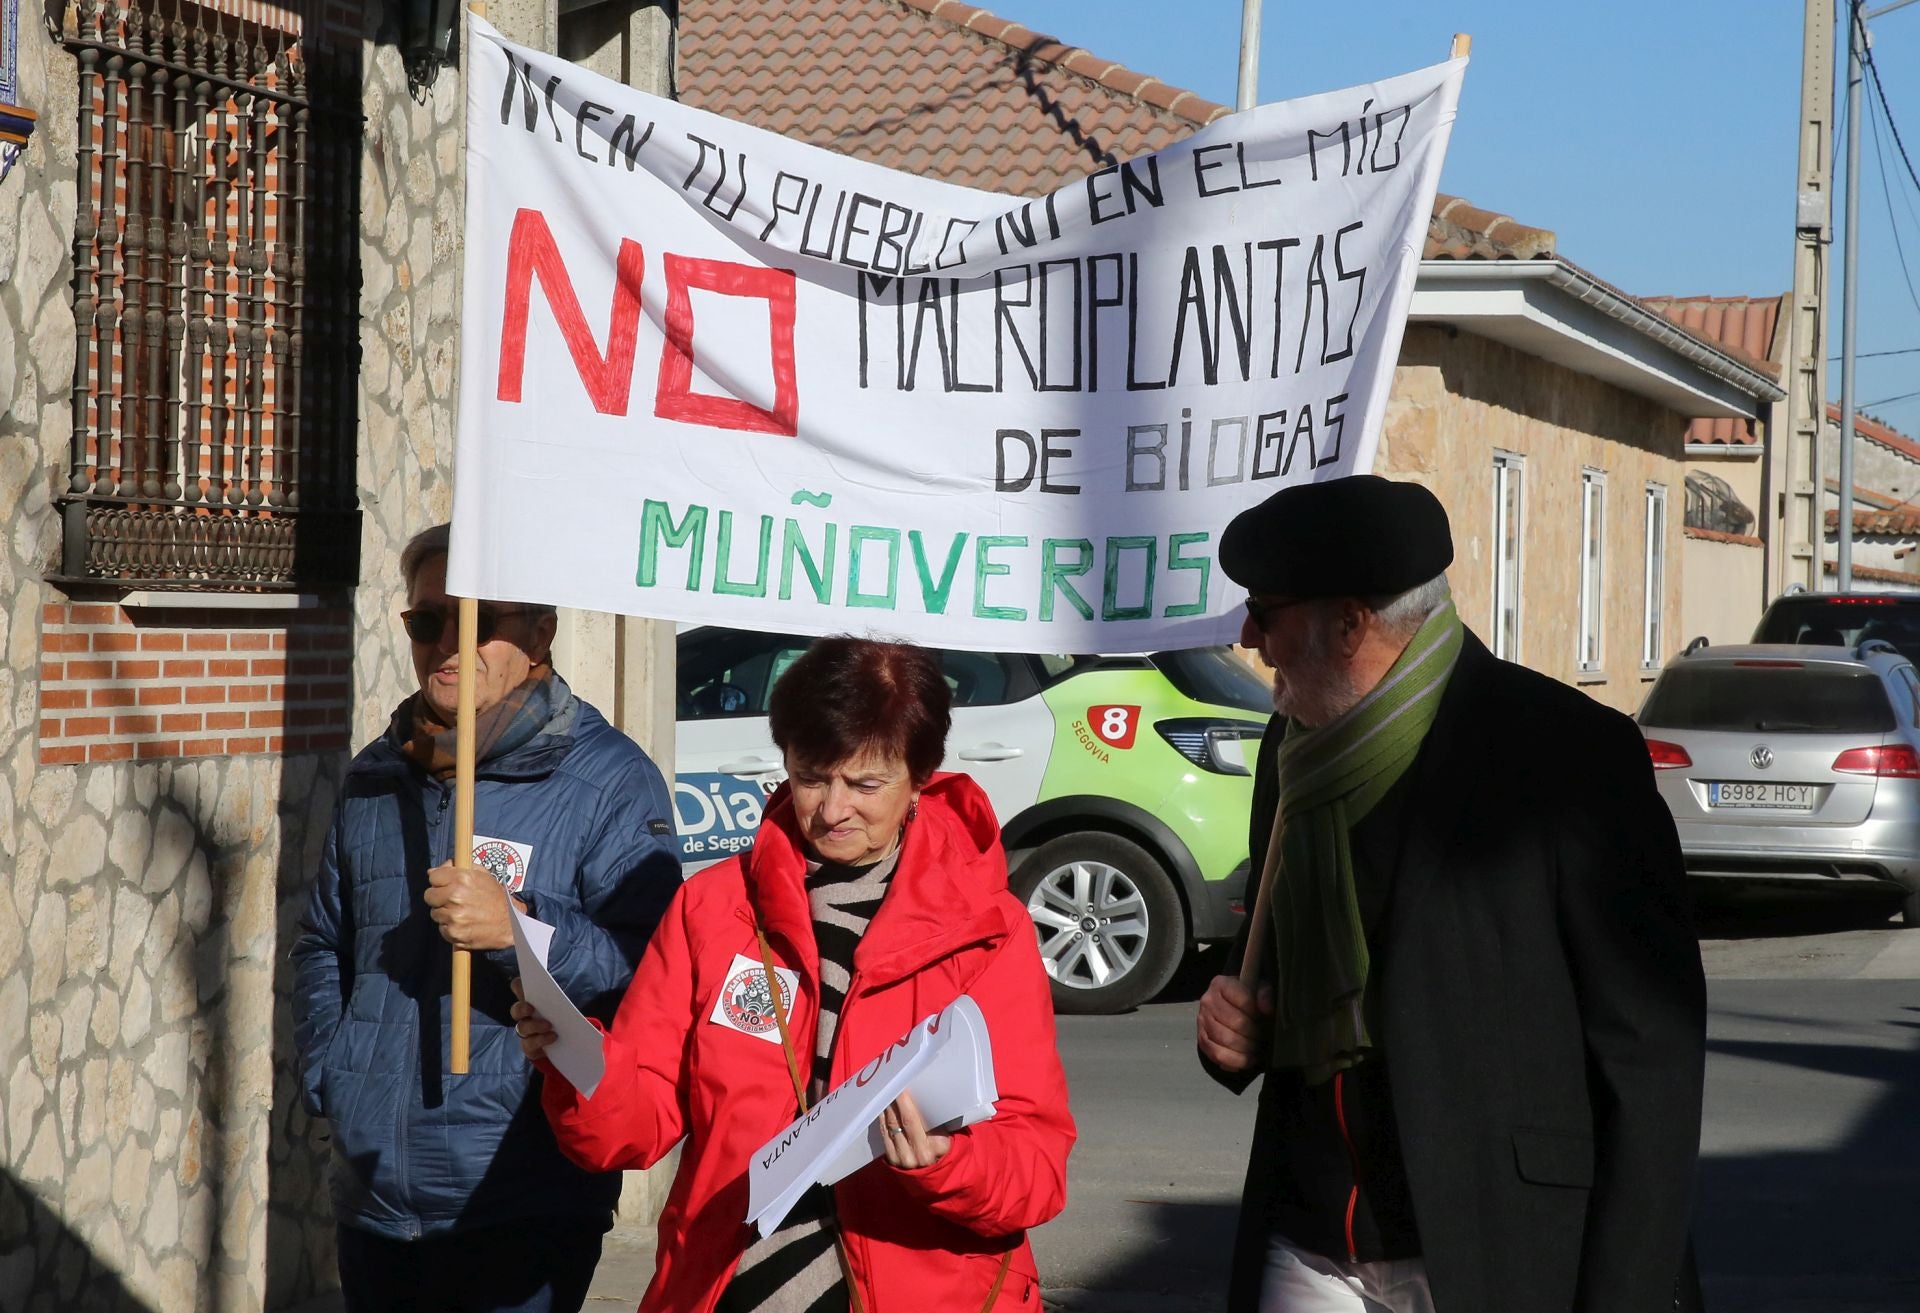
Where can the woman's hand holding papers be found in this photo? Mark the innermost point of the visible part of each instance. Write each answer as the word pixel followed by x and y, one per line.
pixel 908 1142
pixel 534 1030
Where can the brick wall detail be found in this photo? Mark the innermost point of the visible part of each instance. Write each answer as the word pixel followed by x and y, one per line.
pixel 142 684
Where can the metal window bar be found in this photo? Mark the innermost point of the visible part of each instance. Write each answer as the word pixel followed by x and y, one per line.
pixel 216 275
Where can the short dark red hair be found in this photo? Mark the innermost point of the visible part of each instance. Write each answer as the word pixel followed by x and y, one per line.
pixel 845 695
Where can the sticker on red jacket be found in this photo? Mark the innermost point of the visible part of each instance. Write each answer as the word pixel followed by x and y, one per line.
pixel 746 1003
pixel 505 860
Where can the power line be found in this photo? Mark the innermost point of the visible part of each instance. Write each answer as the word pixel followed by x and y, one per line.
pixel 1880 91
pixel 1886 190
pixel 1888 401
pixel 1874 355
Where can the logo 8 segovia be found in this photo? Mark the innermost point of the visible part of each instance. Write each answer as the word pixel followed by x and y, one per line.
pixel 1114 726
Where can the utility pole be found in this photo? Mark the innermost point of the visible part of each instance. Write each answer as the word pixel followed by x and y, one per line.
pixel 1798 538
pixel 1249 93
pixel 1858 16
pixel 1850 278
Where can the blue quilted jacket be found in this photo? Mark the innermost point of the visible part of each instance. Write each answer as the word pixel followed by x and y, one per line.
pixel 582 831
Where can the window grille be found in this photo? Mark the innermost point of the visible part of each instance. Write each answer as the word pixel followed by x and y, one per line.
pixel 216 275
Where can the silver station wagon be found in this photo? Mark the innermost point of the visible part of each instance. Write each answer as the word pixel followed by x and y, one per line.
pixel 1792 764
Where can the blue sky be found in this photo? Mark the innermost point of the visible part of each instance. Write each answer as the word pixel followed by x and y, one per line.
pixel 1656 137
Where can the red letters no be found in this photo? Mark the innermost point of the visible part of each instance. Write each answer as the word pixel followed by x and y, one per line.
pixel 608 378
pixel 675 397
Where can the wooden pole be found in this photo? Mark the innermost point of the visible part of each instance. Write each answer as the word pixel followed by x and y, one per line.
pixel 463 744
pixel 1262 913
pixel 1462 46
pixel 460 1041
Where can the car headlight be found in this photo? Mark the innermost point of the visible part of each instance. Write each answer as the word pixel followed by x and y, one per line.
pixel 1214 745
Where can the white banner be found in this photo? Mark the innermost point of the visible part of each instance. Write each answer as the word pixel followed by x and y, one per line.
pixel 710 374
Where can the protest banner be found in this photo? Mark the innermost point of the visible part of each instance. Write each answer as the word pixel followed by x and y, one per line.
pixel 710 374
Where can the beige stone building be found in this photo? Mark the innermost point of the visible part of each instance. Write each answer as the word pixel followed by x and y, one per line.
pixel 1550 412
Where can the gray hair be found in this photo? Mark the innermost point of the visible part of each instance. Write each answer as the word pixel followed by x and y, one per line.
pixel 420 549
pixel 1402 614
pixel 428 544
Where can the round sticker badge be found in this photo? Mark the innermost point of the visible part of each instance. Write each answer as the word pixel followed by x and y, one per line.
pixel 749 1003
pixel 502 862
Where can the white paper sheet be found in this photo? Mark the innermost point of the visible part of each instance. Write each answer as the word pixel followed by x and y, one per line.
pixel 945 1060
pixel 576 1049
pixel 955 1088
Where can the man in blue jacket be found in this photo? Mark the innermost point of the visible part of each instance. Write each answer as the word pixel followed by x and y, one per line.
pixel 449 1190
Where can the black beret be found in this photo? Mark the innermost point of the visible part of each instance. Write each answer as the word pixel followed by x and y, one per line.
pixel 1361 536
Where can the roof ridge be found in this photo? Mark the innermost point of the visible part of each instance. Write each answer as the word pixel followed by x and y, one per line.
pixel 1710 299
pixel 1469 228
pixel 1878 430
pixel 1076 60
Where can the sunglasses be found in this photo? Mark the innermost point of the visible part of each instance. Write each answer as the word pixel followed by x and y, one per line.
pixel 1262 611
pixel 425 624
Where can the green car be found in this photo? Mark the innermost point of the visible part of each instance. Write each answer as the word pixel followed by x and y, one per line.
pixel 1121 782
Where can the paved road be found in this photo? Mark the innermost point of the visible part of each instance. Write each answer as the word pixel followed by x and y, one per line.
pixel 1810 1178
pixel 1810 1165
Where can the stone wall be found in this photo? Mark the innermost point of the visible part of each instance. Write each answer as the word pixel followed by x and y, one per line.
pixel 1456 400
pixel 411 207
pixel 140 947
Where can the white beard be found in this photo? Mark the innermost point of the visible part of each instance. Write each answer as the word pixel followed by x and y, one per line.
pixel 1319 689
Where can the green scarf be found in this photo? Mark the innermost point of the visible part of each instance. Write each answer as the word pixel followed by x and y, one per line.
pixel 1329 778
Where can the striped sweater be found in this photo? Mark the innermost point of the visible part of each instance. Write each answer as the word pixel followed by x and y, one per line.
pixel 796 1270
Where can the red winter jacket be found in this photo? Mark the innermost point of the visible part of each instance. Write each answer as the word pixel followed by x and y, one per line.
pixel 924 1241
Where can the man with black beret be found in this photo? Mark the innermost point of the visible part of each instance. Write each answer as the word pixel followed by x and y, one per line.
pixel 1479 1008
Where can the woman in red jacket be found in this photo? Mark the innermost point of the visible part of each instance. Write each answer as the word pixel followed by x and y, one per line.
pixel 880 889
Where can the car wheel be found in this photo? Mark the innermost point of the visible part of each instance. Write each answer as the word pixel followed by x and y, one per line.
pixel 1910 910
pixel 1108 919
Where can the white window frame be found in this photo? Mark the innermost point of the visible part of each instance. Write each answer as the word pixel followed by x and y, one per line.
pixel 1653 628
pixel 1590 635
pixel 1509 475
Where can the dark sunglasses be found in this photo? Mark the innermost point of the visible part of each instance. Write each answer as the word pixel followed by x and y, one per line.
pixel 425 624
pixel 1263 611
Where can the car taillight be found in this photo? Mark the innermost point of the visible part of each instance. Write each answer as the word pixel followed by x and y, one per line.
pixel 1898 762
pixel 1667 756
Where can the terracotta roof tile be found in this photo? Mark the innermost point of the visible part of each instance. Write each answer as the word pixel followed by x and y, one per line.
pixel 1746 328
pixel 950 90
pixel 1747 325
pixel 1460 230
pixel 1721 536
pixel 895 81
pixel 1902 522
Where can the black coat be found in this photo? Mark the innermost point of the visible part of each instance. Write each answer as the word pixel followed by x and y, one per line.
pixel 1542 1005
